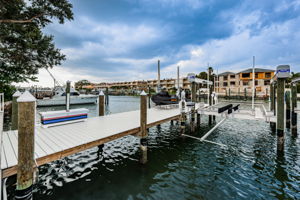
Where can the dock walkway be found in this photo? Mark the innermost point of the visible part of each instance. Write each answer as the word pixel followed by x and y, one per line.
pixel 54 143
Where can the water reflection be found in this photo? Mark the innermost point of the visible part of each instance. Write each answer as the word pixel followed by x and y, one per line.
pixel 178 167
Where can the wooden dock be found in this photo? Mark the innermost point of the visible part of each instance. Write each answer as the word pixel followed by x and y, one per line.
pixel 58 142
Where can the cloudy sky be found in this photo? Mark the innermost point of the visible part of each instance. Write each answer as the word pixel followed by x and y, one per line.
pixel 120 40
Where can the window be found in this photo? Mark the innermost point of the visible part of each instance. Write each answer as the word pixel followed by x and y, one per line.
pixel 256 82
pixel 246 75
pixel 232 83
pixel 232 76
pixel 256 75
pixel 268 75
pixel 225 84
pixel 245 83
pixel 267 82
pixel 225 78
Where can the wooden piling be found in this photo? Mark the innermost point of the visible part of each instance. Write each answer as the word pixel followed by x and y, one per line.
pixel 182 112
pixel 26 132
pixel 272 95
pixel 280 113
pixel 106 96
pixel 210 104
pixel 14 113
pixel 294 106
pixel 68 89
pixel 193 107
pixel 101 103
pixel 149 97
pixel 288 109
pixel 143 133
pixel 198 119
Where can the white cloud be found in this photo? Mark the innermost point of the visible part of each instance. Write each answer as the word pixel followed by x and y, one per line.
pixel 106 39
pixel 273 45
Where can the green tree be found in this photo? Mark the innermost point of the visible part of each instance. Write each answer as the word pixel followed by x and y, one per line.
pixel 79 84
pixel 24 48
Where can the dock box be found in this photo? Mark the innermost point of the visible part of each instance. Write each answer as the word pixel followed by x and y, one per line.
pixel 52 118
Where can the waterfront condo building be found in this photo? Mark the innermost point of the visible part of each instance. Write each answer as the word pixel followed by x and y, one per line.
pixel 238 83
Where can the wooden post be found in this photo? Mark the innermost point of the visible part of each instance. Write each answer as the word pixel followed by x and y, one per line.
pixel 272 106
pixel 149 97
pixel 288 109
pixel 245 94
pixel 182 112
pixel 239 93
pixel 229 93
pixel 143 127
pixel 280 113
pixel 272 95
pixel 101 103
pixel 193 107
pixel 294 106
pixel 26 132
pixel 198 120
pixel 14 115
pixel 68 89
pixel 106 96
pixel 210 104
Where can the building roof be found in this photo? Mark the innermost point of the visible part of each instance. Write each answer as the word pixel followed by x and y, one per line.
pixel 257 70
pixel 226 73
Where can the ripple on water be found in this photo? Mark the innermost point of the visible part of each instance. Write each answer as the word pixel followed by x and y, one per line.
pixel 180 168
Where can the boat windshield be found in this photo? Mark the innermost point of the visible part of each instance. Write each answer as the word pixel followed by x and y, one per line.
pixel 71 94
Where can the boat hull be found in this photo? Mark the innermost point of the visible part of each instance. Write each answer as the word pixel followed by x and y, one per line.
pixel 164 100
pixel 61 101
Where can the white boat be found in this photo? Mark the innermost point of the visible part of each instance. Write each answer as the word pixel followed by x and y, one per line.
pixel 59 99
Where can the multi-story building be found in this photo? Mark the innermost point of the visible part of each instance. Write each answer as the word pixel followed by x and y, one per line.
pixel 141 85
pixel 239 82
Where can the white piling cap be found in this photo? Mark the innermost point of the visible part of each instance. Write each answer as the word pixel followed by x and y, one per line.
pixel 143 93
pixel 101 93
pixel 26 97
pixel 17 94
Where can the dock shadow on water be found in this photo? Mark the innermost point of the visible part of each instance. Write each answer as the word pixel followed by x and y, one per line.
pixel 178 167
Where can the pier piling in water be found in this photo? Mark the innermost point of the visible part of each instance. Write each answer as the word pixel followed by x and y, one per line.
pixel 283 72
pixel 294 106
pixel 280 114
pixel 182 112
pixel 68 89
pixel 288 109
pixel 14 115
pixel 26 132
pixel 272 106
pixel 193 107
pixel 143 127
pixel 101 103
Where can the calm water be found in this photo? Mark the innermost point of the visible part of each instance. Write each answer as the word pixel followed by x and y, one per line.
pixel 178 168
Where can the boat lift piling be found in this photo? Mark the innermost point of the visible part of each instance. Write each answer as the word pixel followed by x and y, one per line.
pixel 182 112
pixel 294 107
pixel 288 109
pixel 282 73
pixel 272 105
